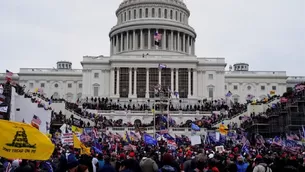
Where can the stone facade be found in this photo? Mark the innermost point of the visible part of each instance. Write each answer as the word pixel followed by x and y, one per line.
pixel 132 69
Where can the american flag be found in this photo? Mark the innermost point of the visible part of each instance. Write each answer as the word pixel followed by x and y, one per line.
pixel 157 36
pixel 8 75
pixel 36 120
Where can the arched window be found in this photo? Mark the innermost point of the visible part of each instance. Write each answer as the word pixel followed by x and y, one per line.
pixel 165 13
pixel 124 16
pixel 140 13
pixel 176 15
pixel 129 15
pixel 146 12
pixel 134 14
pixel 152 12
pixel 159 12
pixel 121 17
pixel 171 14
pixel 180 17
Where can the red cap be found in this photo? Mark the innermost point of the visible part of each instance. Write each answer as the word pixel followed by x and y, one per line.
pixel 132 154
pixel 122 156
pixel 259 156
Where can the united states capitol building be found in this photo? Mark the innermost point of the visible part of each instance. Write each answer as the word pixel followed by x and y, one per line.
pixel 132 71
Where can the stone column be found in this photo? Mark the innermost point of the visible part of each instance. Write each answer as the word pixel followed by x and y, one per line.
pixel 194 46
pixel 134 40
pixel 111 82
pixel 130 82
pixel 111 45
pixel 178 41
pixel 127 41
pixel 187 46
pixel 147 83
pixel 195 83
pixel 135 83
pixel 164 40
pixel 189 83
pixel 183 44
pixel 141 40
pixel 177 80
pixel 117 43
pixel 172 41
pixel 122 40
pixel 149 39
pixel 172 79
pixel 118 82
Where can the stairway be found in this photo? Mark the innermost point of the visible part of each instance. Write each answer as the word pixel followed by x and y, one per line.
pixel 250 109
pixel 68 114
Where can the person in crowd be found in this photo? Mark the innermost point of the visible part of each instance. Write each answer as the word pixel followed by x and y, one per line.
pixel 124 166
pixel 241 164
pixel 107 167
pixel 133 164
pixel 168 162
pixel 261 166
pixel 101 161
pixel 25 167
pixel 148 165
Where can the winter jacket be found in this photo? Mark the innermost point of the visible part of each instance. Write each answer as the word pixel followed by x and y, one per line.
pixel 148 165
pixel 262 167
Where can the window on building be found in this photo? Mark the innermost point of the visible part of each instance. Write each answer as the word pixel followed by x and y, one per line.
pixel 171 14
pixel 180 17
pixel 69 85
pixel 31 85
pixel 210 76
pixel 134 14
pixel 235 87
pixel 165 13
pixel 262 87
pixel 56 85
pixel 153 12
pixel 80 85
pixel 96 75
pixel 211 92
pixel 124 16
pixel 146 12
pixel 176 15
pixel 274 88
pixel 249 87
pixel 95 91
pixel 129 15
pixel 159 12
pixel 121 17
pixel 140 13
pixel 42 85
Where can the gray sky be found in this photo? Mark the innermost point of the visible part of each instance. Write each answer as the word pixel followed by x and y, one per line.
pixel 267 34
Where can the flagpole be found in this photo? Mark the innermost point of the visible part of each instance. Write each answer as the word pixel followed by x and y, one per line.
pixel 154 116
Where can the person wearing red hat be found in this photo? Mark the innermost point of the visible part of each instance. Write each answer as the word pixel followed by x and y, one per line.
pixel 261 166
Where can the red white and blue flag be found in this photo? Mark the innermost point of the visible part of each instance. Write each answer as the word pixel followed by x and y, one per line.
pixel 157 38
pixel 36 120
pixel 9 75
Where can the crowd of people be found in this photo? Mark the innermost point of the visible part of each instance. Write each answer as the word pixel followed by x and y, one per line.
pixel 111 152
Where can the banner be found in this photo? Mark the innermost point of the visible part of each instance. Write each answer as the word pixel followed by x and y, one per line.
pixel 22 141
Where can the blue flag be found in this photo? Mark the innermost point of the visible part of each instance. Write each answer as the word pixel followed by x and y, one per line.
pixel 149 140
pixel 195 127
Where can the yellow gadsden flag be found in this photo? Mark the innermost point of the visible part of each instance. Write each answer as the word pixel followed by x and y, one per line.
pixel 223 129
pixel 79 145
pixel 22 141
pixel 76 129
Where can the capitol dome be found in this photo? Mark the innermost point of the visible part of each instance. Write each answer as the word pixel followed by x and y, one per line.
pixel 139 20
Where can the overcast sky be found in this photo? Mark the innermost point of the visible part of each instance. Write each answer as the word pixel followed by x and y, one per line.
pixel 267 34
